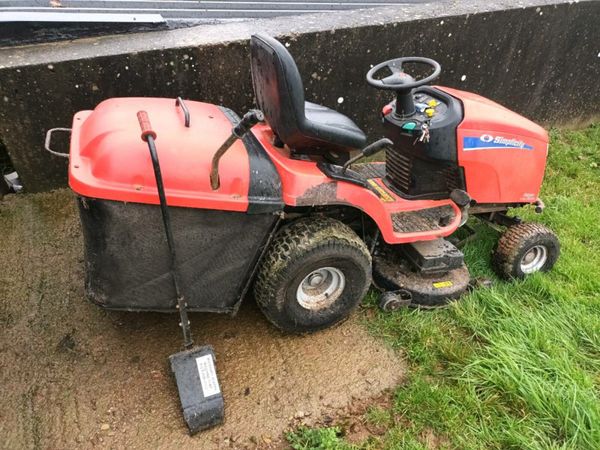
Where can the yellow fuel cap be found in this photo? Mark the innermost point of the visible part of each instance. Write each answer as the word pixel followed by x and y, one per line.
pixel 432 103
pixel 429 112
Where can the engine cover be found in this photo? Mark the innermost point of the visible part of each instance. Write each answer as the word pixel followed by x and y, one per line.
pixel 473 144
pixel 503 154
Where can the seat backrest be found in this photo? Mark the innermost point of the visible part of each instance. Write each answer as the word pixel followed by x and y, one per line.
pixel 278 87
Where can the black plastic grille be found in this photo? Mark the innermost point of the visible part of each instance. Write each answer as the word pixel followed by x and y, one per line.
pixel 416 177
pixel 399 169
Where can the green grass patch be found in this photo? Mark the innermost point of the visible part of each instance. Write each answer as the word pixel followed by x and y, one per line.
pixel 516 365
pixel 317 439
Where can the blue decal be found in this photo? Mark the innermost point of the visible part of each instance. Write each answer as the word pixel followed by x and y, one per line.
pixel 489 142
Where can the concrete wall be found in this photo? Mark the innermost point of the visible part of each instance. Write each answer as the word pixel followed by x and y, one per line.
pixel 541 58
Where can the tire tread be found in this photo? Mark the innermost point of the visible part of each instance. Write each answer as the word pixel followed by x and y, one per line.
pixel 512 242
pixel 291 241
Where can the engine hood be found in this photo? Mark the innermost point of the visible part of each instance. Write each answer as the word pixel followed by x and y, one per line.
pixel 481 113
pixel 503 154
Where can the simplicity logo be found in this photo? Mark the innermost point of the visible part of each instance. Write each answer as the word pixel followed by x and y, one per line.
pixel 489 142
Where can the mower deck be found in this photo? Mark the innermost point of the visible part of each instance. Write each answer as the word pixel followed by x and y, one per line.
pixel 394 272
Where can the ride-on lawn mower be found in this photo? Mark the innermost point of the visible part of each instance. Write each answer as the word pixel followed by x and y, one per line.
pixel 277 203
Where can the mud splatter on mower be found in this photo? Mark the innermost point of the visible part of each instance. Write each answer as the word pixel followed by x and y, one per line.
pixel 279 203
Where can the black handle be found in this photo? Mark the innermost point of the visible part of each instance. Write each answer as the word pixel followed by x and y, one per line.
pixel 369 150
pixel 250 119
pixel 376 146
pixel 148 136
pixel 186 112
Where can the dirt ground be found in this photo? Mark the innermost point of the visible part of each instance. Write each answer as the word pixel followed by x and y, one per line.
pixel 75 376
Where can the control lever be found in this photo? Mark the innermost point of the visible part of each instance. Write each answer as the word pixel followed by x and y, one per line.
pixel 369 150
pixel 250 119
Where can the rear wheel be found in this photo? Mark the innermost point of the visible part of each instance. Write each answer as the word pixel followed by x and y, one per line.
pixel 524 249
pixel 315 273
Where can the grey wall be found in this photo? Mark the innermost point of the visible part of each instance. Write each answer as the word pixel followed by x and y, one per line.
pixel 541 59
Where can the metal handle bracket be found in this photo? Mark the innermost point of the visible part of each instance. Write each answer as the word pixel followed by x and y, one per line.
pixel 49 139
pixel 186 111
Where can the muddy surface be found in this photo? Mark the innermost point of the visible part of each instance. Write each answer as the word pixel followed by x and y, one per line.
pixel 73 375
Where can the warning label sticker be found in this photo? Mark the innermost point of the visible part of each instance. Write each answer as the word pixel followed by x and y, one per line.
pixel 208 375
pixel 381 192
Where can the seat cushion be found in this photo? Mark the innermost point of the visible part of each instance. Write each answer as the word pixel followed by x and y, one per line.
pixel 333 127
pixel 306 128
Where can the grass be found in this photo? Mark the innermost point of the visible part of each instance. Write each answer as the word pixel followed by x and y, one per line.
pixel 516 365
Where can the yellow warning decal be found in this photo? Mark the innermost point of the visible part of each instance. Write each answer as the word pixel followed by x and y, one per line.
pixel 383 194
pixel 442 284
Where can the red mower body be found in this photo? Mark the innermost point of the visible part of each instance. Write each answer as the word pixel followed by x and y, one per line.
pixel 503 156
pixel 109 161
pixel 502 153
pixel 495 155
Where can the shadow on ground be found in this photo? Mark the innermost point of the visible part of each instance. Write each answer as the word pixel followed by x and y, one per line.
pixel 76 376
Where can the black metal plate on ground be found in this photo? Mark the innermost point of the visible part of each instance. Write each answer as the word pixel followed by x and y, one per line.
pixel 423 219
pixel 198 386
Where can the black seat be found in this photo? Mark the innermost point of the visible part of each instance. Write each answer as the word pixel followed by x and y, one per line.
pixel 304 127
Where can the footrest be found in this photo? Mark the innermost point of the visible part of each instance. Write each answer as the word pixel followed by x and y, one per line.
pixel 368 171
pixel 423 220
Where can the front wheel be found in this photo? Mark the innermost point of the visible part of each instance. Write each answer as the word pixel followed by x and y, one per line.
pixel 524 249
pixel 316 271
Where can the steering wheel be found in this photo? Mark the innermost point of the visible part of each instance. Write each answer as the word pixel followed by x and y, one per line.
pixel 401 82
pixel 400 79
